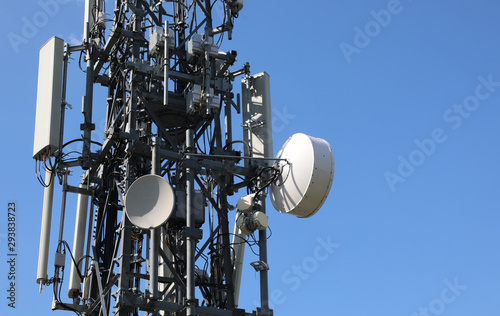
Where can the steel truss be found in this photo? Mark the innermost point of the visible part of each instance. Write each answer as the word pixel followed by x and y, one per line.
pixel 168 112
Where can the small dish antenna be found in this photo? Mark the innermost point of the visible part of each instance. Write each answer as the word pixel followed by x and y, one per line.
pixel 307 168
pixel 149 201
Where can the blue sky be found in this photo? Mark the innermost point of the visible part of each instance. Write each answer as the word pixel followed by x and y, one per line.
pixel 406 92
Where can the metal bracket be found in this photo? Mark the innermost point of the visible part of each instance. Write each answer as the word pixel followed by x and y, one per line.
pixel 191 232
pixel 252 123
pixel 78 190
pixel 260 265
pixel 87 125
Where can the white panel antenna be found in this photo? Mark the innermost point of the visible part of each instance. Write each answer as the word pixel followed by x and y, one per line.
pixel 257 119
pixel 48 99
pixel 89 19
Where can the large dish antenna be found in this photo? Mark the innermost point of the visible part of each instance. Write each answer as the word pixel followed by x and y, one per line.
pixel 149 201
pixel 307 169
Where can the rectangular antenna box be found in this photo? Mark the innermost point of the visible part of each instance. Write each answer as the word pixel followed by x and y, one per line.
pixel 198 207
pixel 257 118
pixel 48 99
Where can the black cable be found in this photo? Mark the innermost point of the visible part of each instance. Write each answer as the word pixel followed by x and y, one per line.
pixel 39 175
pixel 80 61
pixel 81 140
pixel 245 241
pixel 57 292
pixel 66 247
pixel 273 179
pixel 83 257
pixel 237 141
pixel 221 37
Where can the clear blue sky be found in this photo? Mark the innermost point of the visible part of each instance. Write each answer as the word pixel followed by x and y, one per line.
pixel 406 92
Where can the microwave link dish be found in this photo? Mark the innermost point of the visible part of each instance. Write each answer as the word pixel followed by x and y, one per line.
pixel 307 169
pixel 149 201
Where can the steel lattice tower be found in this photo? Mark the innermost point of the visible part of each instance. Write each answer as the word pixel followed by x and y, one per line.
pixel 156 237
pixel 168 112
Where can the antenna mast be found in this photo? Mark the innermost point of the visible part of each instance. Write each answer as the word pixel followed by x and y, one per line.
pixel 152 221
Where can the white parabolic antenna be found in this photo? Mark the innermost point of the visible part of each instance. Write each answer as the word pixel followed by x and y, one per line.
pixel 149 201
pixel 307 173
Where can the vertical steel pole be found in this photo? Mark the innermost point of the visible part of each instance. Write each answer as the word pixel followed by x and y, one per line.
pixel 88 261
pixel 153 257
pixel 166 65
pixel 191 242
pixel 226 251
pixel 63 96
pixel 124 281
pixel 264 282
pixel 179 18
pixel 89 85
pixel 228 123
pixel 63 209
pixel 87 110
pixel 153 264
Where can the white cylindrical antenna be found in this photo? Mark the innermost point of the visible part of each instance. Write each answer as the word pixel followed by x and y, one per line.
pixel 244 225
pixel 239 240
pixel 78 243
pixel 43 253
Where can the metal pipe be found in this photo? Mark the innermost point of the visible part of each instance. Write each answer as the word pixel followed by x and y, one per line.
pixel 226 251
pixel 228 124
pixel 124 281
pixel 206 89
pixel 191 242
pixel 179 20
pixel 89 86
pixel 164 271
pixel 63 210
pixel 87 111
pixel 43 253
pixel 153 256
pixel 63 96
pixel 86 280
pixel 166 66
pixel 264 281
pixel 153 264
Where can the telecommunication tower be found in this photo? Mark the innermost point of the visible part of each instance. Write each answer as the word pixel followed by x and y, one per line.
pixel 152 222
